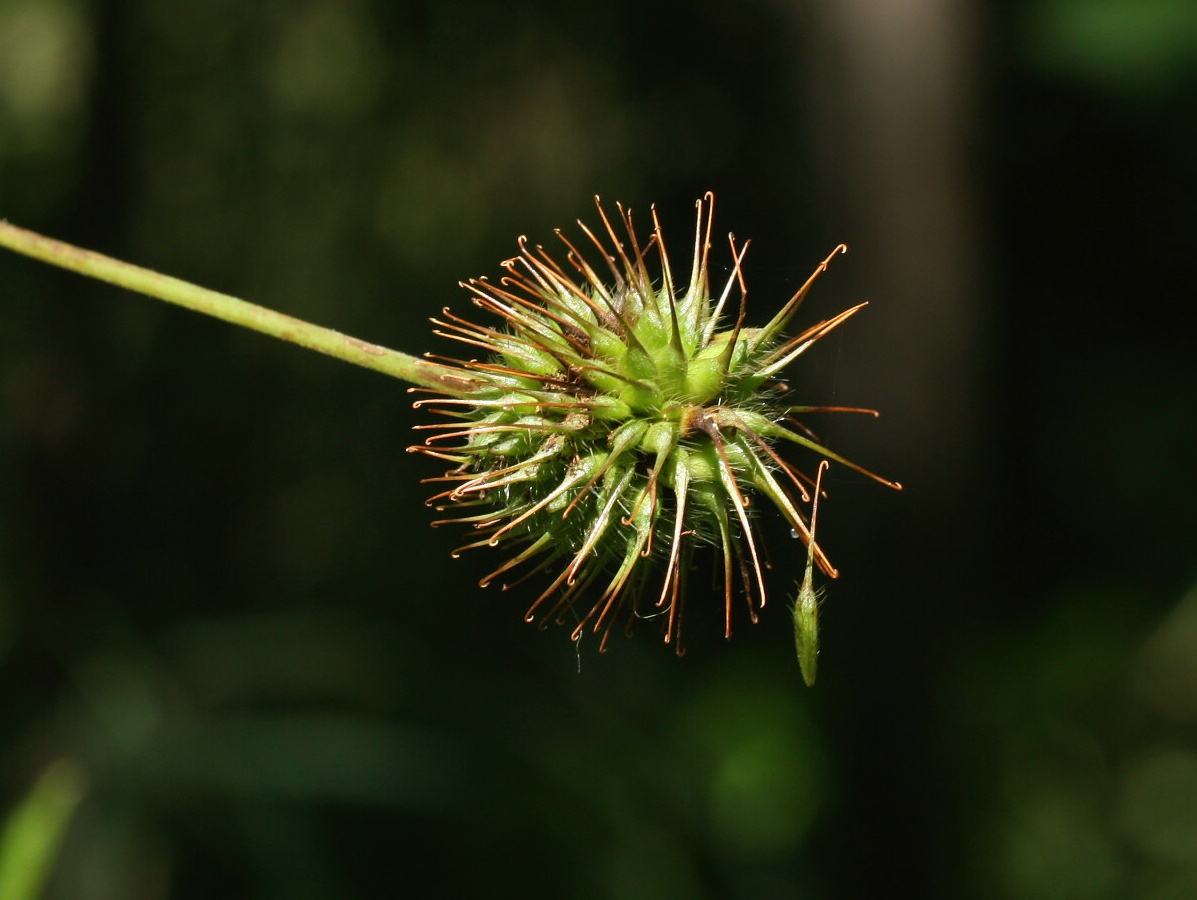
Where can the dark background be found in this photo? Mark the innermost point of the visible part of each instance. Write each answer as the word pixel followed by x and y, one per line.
pixel 219 594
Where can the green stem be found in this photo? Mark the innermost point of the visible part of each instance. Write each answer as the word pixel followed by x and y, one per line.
pixel 231 309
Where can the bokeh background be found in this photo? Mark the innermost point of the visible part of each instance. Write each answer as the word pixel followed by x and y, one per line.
pixel 238 662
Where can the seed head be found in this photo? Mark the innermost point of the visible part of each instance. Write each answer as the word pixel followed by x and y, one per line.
pixel 616 423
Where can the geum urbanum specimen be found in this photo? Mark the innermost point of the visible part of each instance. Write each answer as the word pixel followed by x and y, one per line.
pixel 615 423
pixel 611 425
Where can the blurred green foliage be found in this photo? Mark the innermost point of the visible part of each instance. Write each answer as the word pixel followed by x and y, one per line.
pixel 219 595
pixel 29 841
pixel 1137 49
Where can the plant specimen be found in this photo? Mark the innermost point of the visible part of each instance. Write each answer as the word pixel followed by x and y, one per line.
pixel 602 426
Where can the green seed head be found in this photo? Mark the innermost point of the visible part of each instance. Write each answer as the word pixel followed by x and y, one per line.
pixel 617 423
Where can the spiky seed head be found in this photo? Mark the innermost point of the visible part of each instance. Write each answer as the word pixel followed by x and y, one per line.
pixel 617 422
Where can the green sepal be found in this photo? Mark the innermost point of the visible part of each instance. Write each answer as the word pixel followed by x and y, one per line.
pixel 806 630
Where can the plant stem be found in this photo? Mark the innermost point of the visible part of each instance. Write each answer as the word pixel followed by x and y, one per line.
pixel 231 309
